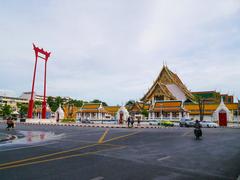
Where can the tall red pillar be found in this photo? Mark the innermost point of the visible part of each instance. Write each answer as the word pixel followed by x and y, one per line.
pixel 44 103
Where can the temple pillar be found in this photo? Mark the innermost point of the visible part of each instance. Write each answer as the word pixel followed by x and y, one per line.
pixel 180 116
pixel 170 115
pixel 150 115
pixel 153 115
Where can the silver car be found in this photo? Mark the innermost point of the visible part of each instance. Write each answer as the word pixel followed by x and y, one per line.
pixel 186 123
pixel 209 124
pixel 154 122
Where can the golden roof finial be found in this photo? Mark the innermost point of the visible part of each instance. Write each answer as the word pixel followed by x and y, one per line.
pixel 163 63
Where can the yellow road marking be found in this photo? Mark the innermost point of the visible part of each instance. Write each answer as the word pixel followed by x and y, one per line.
pixel 58 158
pixel 47 155
pixel 11 164
pixel 119 137
pixel 52 154
pixel 100 141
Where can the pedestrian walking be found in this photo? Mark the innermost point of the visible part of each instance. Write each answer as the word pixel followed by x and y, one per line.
pixel 128 121
pixel 138 120
pixel 132 121
pixel 10 123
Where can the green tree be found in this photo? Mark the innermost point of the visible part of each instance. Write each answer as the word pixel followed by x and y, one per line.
pixel 54 103
pixel 6 110
pixel 130 103
pixel 58 101
pixel 144 112
pixel 1 109
pixel 201 105
pixel 23 108
pixel 98 101
pixel 75 102
pixel 37 104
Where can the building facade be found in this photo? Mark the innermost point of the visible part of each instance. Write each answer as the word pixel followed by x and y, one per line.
pixel 170 99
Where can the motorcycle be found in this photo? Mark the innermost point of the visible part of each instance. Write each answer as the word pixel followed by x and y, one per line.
pixel 198 133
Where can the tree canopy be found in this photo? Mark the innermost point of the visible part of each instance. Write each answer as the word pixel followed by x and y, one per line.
pixel 75 102
pixel 130 102
pixel 23 108
pixel 99 101
pixel 54 102
pixel 6 110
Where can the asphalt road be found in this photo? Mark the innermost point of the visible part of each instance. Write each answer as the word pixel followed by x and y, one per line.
pixel 57 152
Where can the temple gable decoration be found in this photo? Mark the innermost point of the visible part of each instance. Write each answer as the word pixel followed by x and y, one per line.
pixel 168 86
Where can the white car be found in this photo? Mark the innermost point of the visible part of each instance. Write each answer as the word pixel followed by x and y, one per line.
pixel 154 122
pixel 209 124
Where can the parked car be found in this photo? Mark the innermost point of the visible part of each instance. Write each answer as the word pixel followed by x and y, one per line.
pixel 87 121
pixel 154 122
pixel 166 123
pixel 184 122
pixel 209 124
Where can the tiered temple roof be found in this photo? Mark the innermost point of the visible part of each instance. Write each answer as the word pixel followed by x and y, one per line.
pixel 92 108
pixel 167 106
pixel 112 109
pixel 168 85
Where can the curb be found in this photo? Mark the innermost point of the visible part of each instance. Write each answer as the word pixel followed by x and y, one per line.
pixel 104 126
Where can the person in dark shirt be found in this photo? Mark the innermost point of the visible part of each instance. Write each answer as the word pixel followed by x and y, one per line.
pixel 10 123
pixel 128 121
pixel 197 130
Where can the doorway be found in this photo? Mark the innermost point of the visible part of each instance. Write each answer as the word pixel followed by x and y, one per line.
pixel 222 118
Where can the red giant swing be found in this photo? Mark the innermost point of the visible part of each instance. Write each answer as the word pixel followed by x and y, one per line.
pixel 39 53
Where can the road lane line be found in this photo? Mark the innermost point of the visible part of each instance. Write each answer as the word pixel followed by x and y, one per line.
pixel 163 158
pixel 187 133
pixel 62 152
pixel 100 141
pixel 28 147
pixel 98 178
pixel 47 155
pixel 52 154
pixel 58 158
pixel 119 137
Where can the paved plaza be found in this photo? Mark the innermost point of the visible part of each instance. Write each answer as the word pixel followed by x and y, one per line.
pixel 59 152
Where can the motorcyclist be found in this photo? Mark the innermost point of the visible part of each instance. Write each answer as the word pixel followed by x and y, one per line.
pixel 197 130
pixel 10 123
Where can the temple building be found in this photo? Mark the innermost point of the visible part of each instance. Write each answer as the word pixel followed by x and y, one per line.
pixel 171 110
pixel 231 110
pixel 168 86
pixel 111 112
pixel 170 99
pixel 139 110
pixel 166 96
pixel 91 111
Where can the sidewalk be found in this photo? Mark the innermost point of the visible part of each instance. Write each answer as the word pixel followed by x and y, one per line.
pixel 91 125
pixel 105 125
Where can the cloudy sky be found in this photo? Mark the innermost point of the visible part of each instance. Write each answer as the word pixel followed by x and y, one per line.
pixel 113 50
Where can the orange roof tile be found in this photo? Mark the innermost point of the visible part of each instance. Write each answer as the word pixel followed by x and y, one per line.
pixel 91 106
pixel 111 108
pixel 172 109
pixel 168 104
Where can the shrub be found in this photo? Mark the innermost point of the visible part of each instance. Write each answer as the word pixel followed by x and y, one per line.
pixel 68 120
